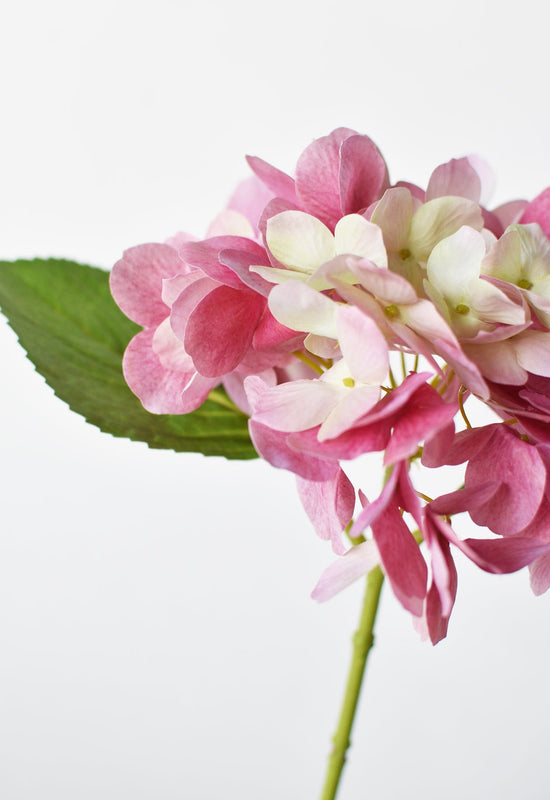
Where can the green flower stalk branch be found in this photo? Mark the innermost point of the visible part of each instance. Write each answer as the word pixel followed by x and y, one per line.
pixel 363 640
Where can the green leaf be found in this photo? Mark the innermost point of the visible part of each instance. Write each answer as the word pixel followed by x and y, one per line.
pixel 75 335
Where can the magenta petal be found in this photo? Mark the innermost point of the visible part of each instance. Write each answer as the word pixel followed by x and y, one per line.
pixel 329 505
pixel 363 174
pixel 220 329
pixel 421 419
pixel 442 592
pixel 136 281
pixel 318 177
pixel 538 210
pixel 371 511
pixel 401 559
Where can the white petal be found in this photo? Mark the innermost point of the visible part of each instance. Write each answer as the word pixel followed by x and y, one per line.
pixel 301 308
pixel 440 218
pixel 299 240
pixel 355 235
pixel 454 262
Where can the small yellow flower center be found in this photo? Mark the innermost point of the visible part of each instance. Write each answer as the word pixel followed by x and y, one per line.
pixel 462 309
pixel 391 311
pixel 348 382
pixel 525 284
pixel 404 254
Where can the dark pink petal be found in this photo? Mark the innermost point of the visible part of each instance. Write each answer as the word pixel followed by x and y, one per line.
pixel 521 474
pixel 426 414
pixel 538 210
pixel 363 174
pixel 160 390
pixel 498 556
pixel 271 333
pixel 464 445
pixel 329 505
pixel 442 592
pixel 220 329
pixel 136 281
pixel 240 261
pixel 465 499
pixel 401 559
pixel 371 511
pixel 318 177
pixel 281 184
pixel 273 446
pixel 437 447
pixel 540 574
pixel 205 255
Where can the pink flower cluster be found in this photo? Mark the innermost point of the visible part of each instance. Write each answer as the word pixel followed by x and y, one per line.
pixel 345 315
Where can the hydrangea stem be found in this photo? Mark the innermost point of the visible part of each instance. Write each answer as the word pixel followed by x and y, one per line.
pixel 363 640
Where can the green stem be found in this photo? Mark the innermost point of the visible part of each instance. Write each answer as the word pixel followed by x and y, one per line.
pixel 363 640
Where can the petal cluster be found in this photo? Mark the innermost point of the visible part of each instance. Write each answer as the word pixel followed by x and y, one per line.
pixel 346 314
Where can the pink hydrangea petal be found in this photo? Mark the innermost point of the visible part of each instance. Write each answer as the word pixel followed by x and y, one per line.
pixel 296 405
pixel 393 213
pixel 187 301
pixel 170 350
pixel 521 473
pixel 456 177
pixel 220 329
pixel 442 592
pixel 173 287
pixel 329 505
pixel 271 334
pixel 279 183
pixel 250 198
pixel 204 255
pixel 363 173
pixel 275 448
pixel 401 559
pixel 161 391
pixel 511 212
pixel 357 562
pixel 367 364
pixel 136 281
pixel 539 571
pixel 384 284
pixel 422 418
pixel 318 177
pixel 351 406
pixel 538 210
pixel 371 511
pixel 234 385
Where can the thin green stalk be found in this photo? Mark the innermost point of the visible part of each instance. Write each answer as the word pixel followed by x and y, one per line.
pixel 363 640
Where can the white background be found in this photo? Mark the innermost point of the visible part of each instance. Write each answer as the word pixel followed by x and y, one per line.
pixel 157 639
